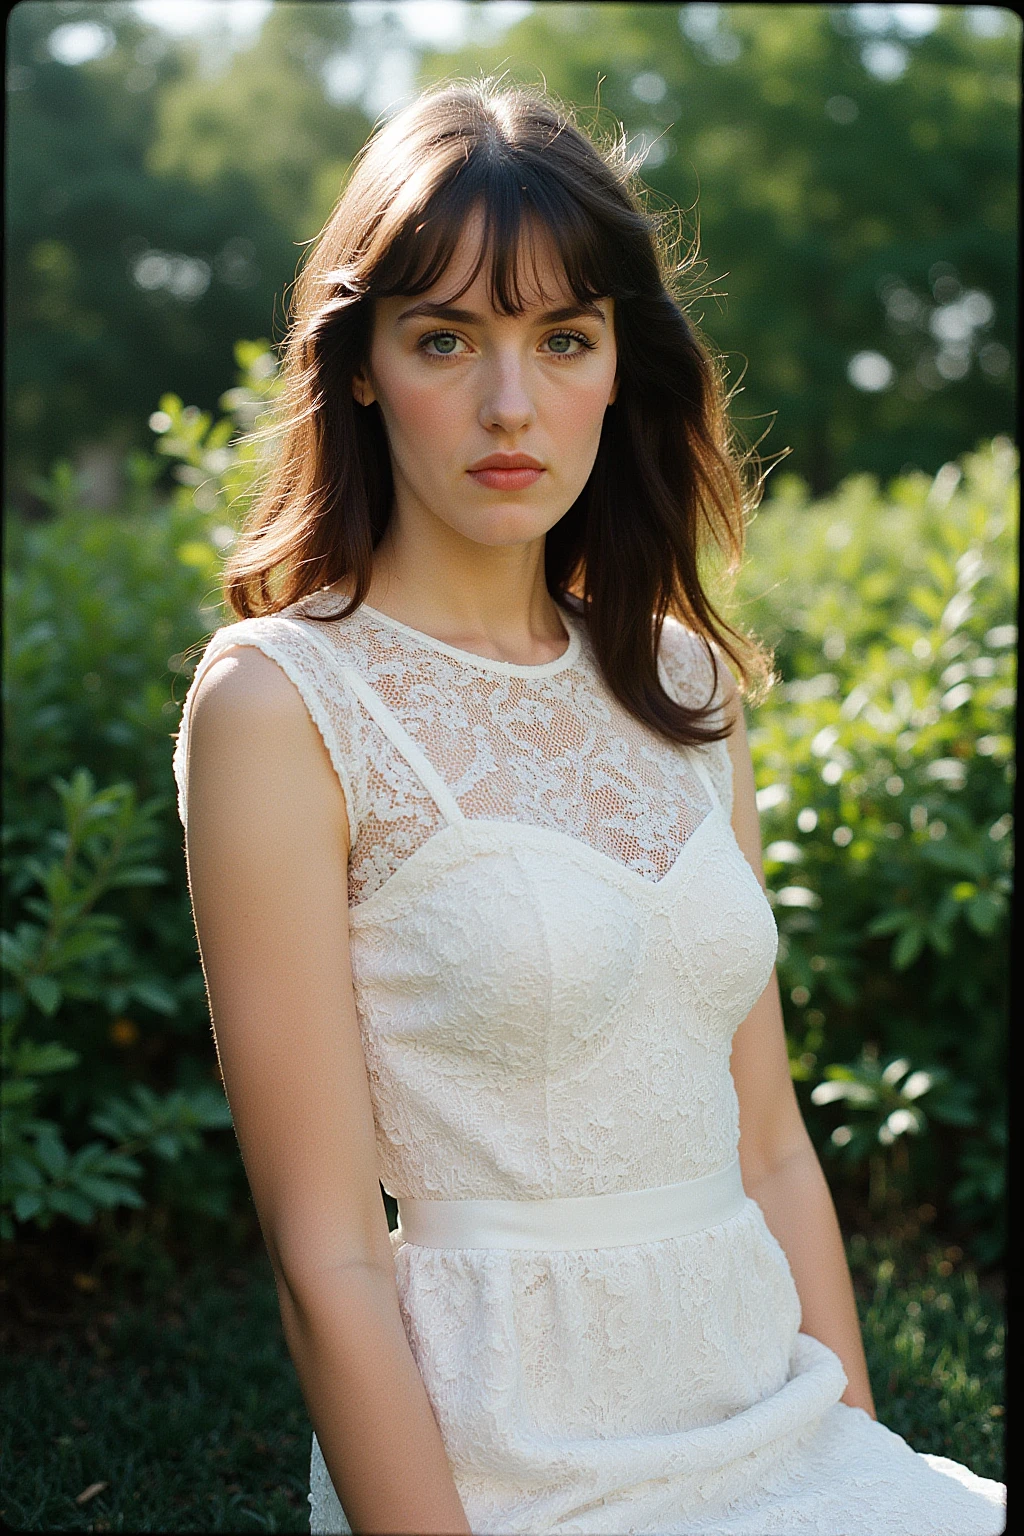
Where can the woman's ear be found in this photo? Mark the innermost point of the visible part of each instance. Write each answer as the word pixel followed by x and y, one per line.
pixel 362 389
pixel 615 390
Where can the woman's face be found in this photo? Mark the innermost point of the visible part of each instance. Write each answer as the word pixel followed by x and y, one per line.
pixel 460 385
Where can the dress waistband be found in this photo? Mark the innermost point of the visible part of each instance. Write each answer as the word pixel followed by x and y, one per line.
pixel 578 1221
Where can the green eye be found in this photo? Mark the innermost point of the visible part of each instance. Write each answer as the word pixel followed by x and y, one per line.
pixel 444 343
pixel 569 344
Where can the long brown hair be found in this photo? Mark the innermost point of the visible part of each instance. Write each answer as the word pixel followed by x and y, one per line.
pixel 666 485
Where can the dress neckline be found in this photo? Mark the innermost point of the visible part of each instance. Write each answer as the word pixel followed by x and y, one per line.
pixel 490 663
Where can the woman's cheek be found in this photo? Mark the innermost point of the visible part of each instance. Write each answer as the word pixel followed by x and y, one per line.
pixel 417 414
pixel 582 416
pixel 436 406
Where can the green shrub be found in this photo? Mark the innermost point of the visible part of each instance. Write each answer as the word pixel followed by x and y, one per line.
pixel 105 1025
pixel 884 769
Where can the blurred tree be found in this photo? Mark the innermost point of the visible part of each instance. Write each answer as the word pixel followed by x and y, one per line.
pixel 268 120
pixel 155 207
pixel 854 178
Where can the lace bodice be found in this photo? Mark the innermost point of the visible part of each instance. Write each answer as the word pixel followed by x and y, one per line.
pixel 538 884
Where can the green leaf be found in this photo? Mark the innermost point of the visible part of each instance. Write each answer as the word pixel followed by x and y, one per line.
pixel 44 992
pixel 120 1121
pixel 13 1092
pixel 984 912
pixel 154 994
pixel 908 946
pixel 108 1192
pixel 51 1151
pixel 141 875
pixel 940 937
pixel 928 602
pixel 39 1059
pixel 954 858
pixel 890 922
pixel 18 1170
pixel 13 952
pixel 167 1145
pixel 69 1202
pixel 953 1114
pixel 842 987
pixel 209 1108
pixel 88 1158
pixel 120 1162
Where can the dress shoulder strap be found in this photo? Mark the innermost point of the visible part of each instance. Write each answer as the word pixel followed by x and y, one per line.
pixel 687 673
pixel 708 782
pixel 403 743
pixel 392 728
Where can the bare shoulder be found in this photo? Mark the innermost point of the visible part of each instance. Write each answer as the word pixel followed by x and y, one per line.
pixel 245 680
pixel 252 740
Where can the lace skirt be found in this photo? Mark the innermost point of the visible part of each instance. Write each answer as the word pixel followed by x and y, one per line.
pixel 654 1387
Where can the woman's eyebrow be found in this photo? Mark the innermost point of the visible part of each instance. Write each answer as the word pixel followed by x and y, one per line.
pixel 469 317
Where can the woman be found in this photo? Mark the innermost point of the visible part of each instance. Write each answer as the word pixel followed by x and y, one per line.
pixel 476 875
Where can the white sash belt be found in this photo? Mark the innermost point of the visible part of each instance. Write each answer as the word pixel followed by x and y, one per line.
pixel 579 1221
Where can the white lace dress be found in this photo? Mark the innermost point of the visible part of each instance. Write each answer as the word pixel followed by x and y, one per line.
pixel 554 936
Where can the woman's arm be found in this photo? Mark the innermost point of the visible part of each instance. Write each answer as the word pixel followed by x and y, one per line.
pixel 780 1167
pixel 267 846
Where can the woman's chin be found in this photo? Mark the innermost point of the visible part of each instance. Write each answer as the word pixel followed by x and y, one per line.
pixel 506 524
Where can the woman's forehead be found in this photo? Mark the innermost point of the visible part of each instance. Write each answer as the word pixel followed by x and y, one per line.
pixel 468 279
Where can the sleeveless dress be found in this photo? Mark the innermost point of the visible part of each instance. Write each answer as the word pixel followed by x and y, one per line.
pixel 554 936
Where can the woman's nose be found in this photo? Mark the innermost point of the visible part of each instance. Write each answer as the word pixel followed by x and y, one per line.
pixel 507 402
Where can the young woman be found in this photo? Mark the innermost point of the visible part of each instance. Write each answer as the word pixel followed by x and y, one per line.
pixel 476 875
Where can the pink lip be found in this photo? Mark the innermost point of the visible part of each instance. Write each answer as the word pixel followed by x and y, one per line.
pixel 506 471
pixel 506 479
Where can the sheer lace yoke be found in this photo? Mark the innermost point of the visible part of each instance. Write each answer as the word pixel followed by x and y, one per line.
pixel 424 736
pixel 434 737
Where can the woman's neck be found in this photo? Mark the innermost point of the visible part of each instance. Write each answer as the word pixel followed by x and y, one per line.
pixel 493 601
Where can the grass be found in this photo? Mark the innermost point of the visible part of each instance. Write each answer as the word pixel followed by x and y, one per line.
pixel 186 1408
pixel 183 1403
pixel 935 1342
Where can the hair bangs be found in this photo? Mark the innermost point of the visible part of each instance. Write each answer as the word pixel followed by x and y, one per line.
pixel 519 209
